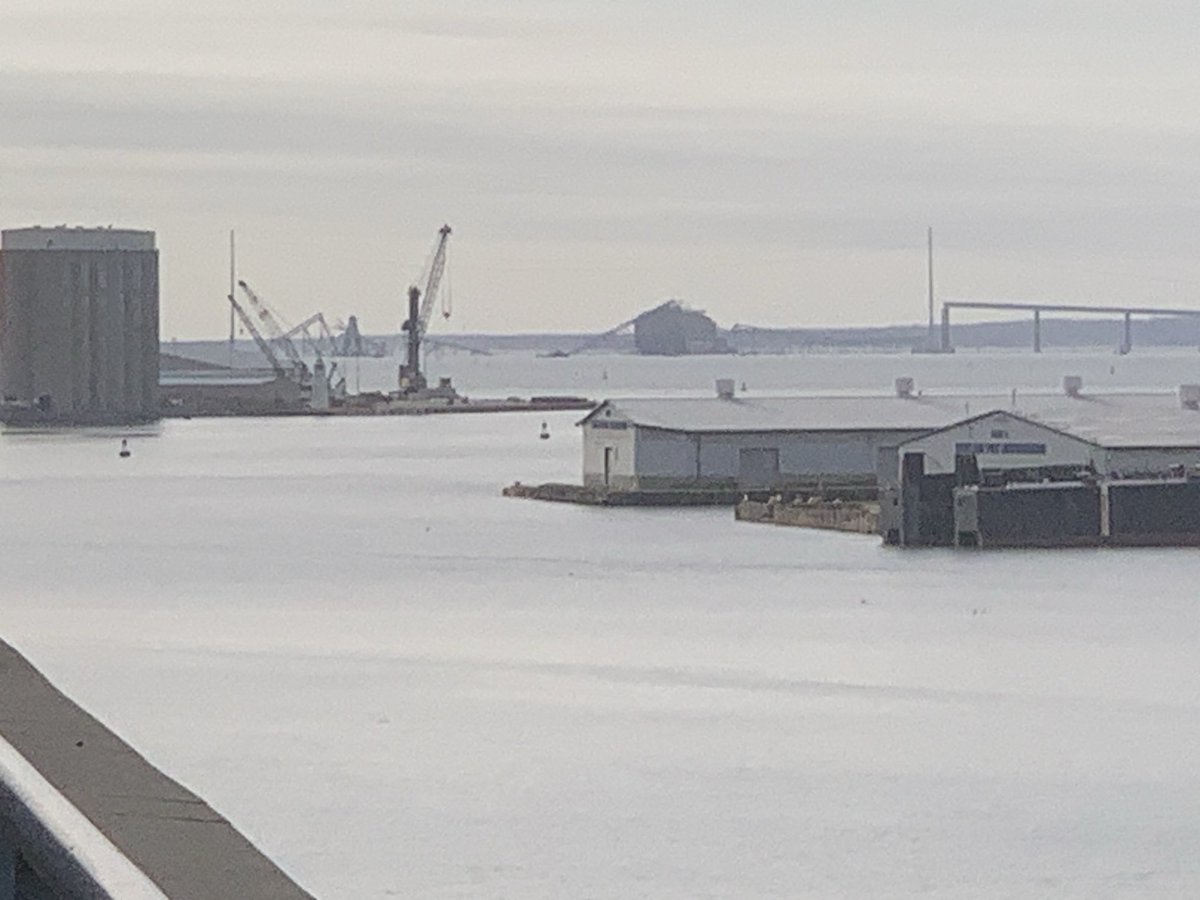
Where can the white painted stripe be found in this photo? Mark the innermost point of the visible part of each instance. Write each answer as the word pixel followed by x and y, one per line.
pixel 96 854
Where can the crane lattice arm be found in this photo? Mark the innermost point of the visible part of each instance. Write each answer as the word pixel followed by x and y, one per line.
pixel 274 329
pixel 436 269
pixel 324 336
pixel 248 324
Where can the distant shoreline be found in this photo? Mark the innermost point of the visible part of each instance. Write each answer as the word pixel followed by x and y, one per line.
pixel 1057 334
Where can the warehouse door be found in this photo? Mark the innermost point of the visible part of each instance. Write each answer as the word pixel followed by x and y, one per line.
pixel 758 468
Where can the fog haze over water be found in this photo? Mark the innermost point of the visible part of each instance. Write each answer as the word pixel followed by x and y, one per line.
pixel 601 375
pixel 400 683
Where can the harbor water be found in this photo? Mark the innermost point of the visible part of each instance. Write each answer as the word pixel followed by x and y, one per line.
pixel 400 684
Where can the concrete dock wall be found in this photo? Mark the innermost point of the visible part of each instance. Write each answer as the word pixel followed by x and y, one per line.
pixel 1152 512
pixel 585 495
pixel 833 515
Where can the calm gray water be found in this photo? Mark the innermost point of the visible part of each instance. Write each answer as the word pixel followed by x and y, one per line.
pixel 404 685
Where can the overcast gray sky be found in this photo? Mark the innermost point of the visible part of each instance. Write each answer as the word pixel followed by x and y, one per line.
pixel 772 162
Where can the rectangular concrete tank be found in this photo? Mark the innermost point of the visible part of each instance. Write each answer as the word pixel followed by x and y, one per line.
pixel 1148 513
pixel 79 325
pixel 1051 515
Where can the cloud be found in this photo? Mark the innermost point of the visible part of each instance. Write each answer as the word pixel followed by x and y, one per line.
pixel 764 148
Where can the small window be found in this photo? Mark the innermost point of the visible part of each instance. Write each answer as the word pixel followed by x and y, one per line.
pixel 999 433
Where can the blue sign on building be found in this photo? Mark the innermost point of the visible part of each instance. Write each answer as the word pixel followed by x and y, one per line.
pixel 999 449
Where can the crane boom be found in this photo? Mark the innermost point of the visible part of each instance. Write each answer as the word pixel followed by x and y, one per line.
pixel 434 281
pixel 420 309
pixel 324 336
pixel 275 330
pixel 248 324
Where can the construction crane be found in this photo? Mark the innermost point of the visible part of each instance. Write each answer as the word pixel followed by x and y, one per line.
pixel 324 336
pixel 420 310
pixel 276 332
pixel 248 324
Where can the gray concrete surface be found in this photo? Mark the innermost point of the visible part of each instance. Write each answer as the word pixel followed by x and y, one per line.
pixel 185 847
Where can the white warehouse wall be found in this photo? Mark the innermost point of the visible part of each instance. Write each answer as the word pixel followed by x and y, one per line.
pixel 1061 449
pixel 676 459
pixel 619 436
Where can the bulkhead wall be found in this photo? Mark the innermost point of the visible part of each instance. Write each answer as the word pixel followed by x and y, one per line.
pixel 79 332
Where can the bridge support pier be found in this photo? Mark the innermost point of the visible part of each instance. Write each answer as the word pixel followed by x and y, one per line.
pixel 1037 331
pixel 1127 337
pixel 945 329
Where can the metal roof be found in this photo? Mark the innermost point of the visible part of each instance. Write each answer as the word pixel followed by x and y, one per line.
pixel 1117 420
pixel 872 413
pixel 1110 420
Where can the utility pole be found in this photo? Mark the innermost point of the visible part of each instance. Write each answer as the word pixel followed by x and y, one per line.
pixel 232 286
pixel 931 332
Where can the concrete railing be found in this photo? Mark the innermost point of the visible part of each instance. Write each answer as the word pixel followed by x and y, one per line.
pixel 48 848
pixel 83 816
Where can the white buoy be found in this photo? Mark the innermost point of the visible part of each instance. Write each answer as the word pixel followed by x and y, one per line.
pixel 545 435
pixel 125 451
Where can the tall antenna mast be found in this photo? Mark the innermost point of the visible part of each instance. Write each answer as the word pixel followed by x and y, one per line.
pixel 931 285
pixel 232 286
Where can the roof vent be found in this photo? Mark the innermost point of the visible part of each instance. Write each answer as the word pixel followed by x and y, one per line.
pixel 904 387
pixel 1189 396
pixel 725 388
pixel 1072 385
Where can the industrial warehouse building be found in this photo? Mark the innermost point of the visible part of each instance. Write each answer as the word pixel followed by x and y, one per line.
pixel 189 387
pixel 796 443
pixel 1065 470
pixel 79 315
pixel 731 442
pixel 672 329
